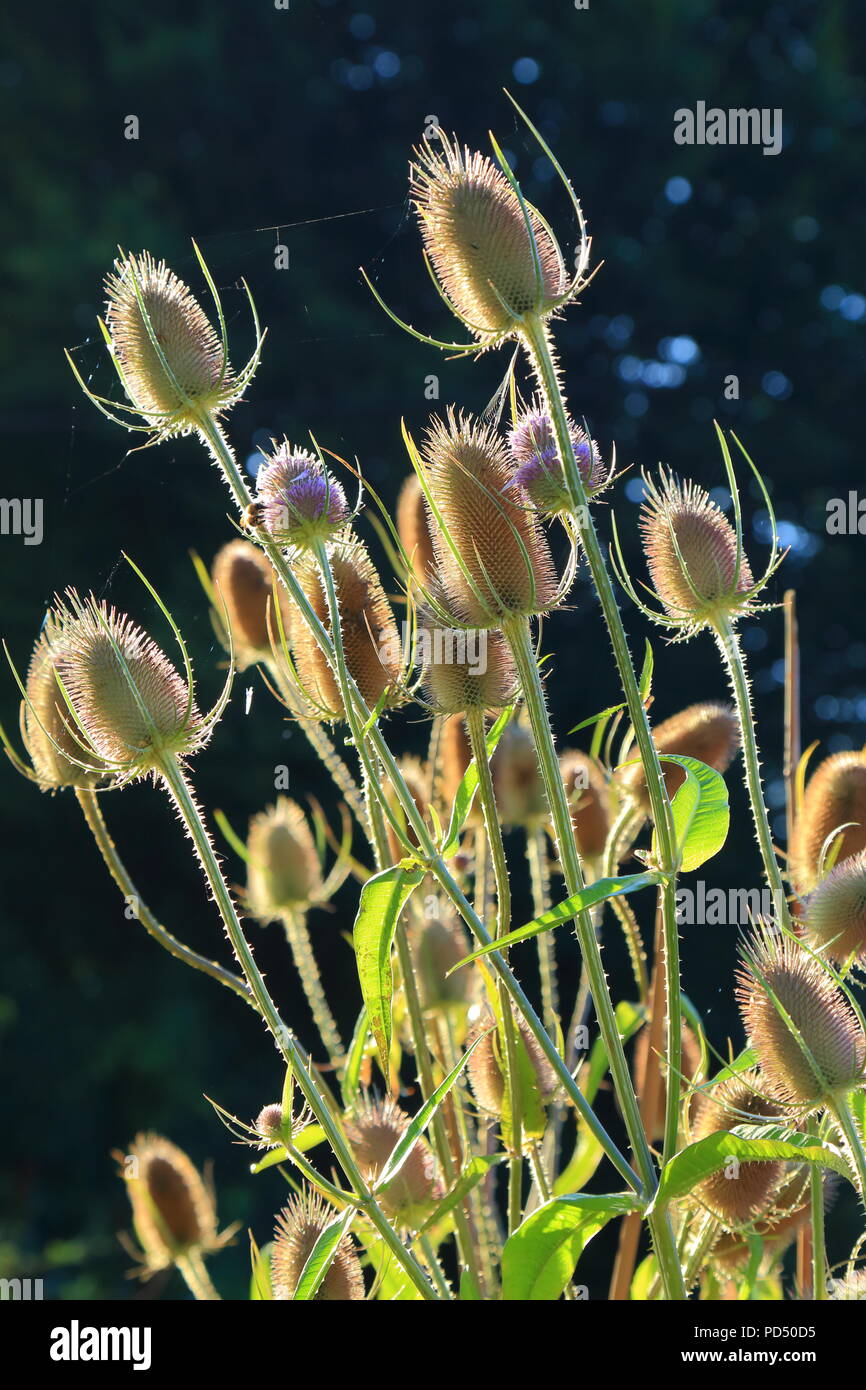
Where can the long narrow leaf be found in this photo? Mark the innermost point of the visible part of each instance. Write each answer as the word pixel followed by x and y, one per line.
pixel 383 898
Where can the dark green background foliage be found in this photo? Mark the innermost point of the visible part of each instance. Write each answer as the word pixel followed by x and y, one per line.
pixel 251 117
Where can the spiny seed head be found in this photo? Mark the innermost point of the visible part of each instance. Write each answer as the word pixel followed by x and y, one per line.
pixel 487 1073
pixel 517 780
pixel 825 1053
pixel 302 503
pixel 269 1122
pixel 536 464
pixel 475 233
pixel 505 568
pixel 373 1131
pixel 709 732
pixel 690 1069
pixel 194 377
pixel 738 1198
pixel 836 912
pixel 243 577
pixel 788 1211
pixel 835 795
pixel 47 725
pixel 283 873
pixel 691 551
pixel 371 640
pixel 464 669
pixel 132 706
pixel 173 1210
pixel 587 796
pixel 413 528
pixel 299 1226
pixel 438 945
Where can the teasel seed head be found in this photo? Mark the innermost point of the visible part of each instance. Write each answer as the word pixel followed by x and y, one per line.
pixel 243 577
pixel 787 1212
pixel 371 640
pixel 476 236
pixel 537 468
pixel 299 1226
pixel 133 707
pixel 486 1072
pixel 835 795
pixel 438 944
pixel 373 1131
pixel 517 781
pixel 690 1069
pixel 709 732
pixel 283 872
pixel 824 1056
pixel 739 1100
pixel 588 798
pixel 269 1122
pixel 301 502
pixel 48 729
pixel 836 912
pixel 493 558
pixel 413 528
pixel 194 378
pixel 691 551
pixel 464 669
pixel 172 1207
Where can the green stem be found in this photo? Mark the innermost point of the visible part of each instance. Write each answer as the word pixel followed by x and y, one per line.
pixel 477 742
pixel 89 803
pixel 732 655
pixel 182 796
pixel 819 1255
pixel 541 354
pixel 536 856
pixel 298 937
pixel 197 1279
pixel 214 439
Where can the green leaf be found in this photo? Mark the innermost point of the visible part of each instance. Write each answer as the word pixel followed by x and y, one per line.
pixel 392 1283
pixel 540 1257
pixel 468 787
pixel 708 1156
pixel 350 1081
pixel 700 811
pixel 321 1256
pixel 566 911
pixel 307 1139
pixel 595 718
pixel 477 1168
pixel 260 1278
pixel 646 675
pixel 383 898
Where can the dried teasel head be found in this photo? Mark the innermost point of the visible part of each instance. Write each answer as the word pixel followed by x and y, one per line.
pixel 787 1212
pixel 588 799
pixel 243 578
pixel 299 1226
pixel 438 944
pixel 709 732
pixel 737 1197
pixel 690 1069
pixel 490 267
pixel 493 560
pixel 836 912
pixel 171 360
pixel 696 563
pixel 284 873
pixel 172 1206
pixel 130 707
pixel 537 468
pixel 807 1037
pixel 517 781
pixel 301 502
pixel 835 796
pixel 373 1130
pixel 486 1071
pixel 48 728
pixel 371 640
pixel 413 528
pixel 464 668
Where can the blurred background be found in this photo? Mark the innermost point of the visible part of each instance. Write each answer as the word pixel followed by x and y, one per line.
pixel 261 127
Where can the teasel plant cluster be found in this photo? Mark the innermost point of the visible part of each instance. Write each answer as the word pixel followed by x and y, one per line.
pixel 445 1150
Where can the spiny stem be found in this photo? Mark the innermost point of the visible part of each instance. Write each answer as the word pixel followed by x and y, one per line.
pixel 298 937
pixel 732 655
pixel 197 1279
pixel 536 857
pixel 190 815
pixel 89 803
pixel 819 1255
pixel 539 347
pixel 475 730
pixel 841 1108
pixel 215 441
